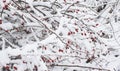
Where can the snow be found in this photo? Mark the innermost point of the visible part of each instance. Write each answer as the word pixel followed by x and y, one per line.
pixel 3 58
pixel 6 26
pixel 60 35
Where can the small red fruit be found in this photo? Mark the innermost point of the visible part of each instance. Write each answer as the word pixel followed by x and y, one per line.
pixel 0 21
pixel 69 33
pixel 15 68
pixel 5 7
pixel 76 30
pixel 7 67
pixel 60 50
pixel 4 1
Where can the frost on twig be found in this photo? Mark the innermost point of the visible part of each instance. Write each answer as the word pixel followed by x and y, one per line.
pixel 41 33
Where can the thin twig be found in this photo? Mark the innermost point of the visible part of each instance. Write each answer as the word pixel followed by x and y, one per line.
pixel 81 67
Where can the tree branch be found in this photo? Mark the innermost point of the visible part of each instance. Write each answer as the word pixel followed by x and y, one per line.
pixel 81 67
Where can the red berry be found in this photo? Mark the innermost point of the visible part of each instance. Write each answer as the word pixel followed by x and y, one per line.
pixel 4 1
pixel 91 33
pixel 76 30
pixel 68 41
pixel 77 1
pixel 15 68
pixel 60 50
pixel 7 67
pixel 81 33
pixel 5 7
pixel 97 24
pixel 65 1
pixel 69 33
pixel 0 21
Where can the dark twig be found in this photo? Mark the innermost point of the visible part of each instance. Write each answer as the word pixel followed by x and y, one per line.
pixel 81 67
